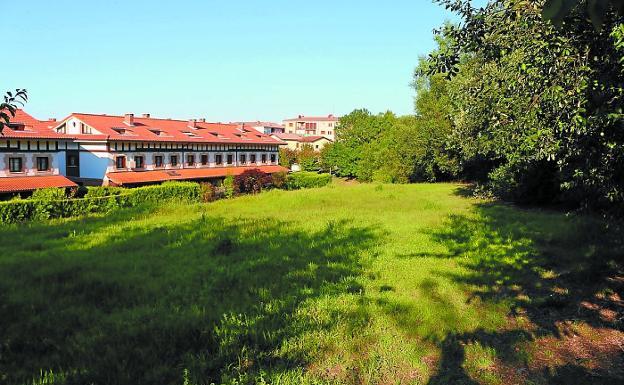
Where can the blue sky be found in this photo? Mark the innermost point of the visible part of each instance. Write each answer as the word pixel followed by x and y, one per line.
pixel 222 60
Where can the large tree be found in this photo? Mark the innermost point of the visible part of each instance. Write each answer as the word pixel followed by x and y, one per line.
pixel 538 107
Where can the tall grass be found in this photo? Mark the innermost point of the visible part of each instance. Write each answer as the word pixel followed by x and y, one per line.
pixel 344 284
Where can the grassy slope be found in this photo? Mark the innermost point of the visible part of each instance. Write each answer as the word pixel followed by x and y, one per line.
pixel 345 284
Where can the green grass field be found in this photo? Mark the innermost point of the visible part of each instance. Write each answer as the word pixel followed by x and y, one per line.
pixel 348 284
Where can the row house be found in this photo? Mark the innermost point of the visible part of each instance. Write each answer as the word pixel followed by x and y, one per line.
pixel 90 149
pixel 312 126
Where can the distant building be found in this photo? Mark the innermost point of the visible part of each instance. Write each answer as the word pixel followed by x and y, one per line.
pixel 296 142
pixel 312 126
pixel 268 128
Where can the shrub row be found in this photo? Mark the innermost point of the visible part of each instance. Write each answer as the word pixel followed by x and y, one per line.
pixel 306 179
pixel 52 203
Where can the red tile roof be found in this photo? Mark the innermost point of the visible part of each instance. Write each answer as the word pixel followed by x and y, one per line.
pixel 169 130
pixel 310 139
pixel 301 118
pixel 288 136
pixel 30 128
pixel 29 183
pixel 134 177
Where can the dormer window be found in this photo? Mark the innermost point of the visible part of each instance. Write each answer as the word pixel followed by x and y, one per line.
pixel 190 134
pixel 156 132
pixel 17 126
pixel 84 129
pixel 120 131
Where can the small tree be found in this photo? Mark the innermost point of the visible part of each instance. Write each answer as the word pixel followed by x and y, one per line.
pixel 307 158
pixel 12 101
pixel 287 157
pixel 252 181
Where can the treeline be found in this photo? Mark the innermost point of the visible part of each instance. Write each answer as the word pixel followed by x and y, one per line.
pixel 530 111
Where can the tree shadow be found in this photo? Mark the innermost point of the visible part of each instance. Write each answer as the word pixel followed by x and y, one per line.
pixel 101 301
pixel 562 279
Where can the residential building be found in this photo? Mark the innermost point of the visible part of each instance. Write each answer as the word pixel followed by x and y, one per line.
pixel 268 128
pixel 312 126
pixel 296 142
pixel 126 150
pixel 33 155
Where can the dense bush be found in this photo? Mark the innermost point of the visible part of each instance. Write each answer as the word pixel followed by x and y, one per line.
pixel 228 186
pixel 304 179
pixel 251 181
pixel 51 203
pixel 278 179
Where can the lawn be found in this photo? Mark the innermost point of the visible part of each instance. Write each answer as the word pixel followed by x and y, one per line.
pixel 347 284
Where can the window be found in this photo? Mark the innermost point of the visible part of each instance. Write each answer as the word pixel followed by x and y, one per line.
pixel 322 132
pixel 272 158
pixel 219 159
pixel 120 162
pixel 174 160
pixel 331 124
pixel 310 126
pixel 290 125
pixel 15 164
pixel 138 162
pixel 317 146
pixel 252 158
pixel 190 160
pixel 204 159
pixel 243 159
pixel 84 129
pixel 158 161
pixel 230 159
pixel 43 163
pixel 263 158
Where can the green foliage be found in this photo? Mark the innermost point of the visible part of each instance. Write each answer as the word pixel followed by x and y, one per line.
pixel 278 179
pixel 12 101
pixel 387 148
pixel 228 186
pixel 536 111
pixel 103 191
pixel 252 182
pixel 287 157
pixel 52 203
pixel 307 158
pixel 208 192
pixel 305 179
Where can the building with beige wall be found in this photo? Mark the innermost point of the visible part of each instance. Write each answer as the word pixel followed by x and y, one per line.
pixel 296 142
pixel 312 126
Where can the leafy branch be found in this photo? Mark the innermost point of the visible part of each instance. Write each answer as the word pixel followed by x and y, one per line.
pixel 12 101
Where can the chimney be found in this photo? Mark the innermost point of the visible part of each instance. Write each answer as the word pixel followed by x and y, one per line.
pixel 202 120
pixel 146 115
pixel 52 120
pixel 300 116
pixel 330 116
pixel 192 123
pixel 129 119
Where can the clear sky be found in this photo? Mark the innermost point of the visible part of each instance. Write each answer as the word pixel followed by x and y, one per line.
pixel 222 60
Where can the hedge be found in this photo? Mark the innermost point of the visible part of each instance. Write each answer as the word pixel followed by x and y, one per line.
pixel 305 179
pixel 46 204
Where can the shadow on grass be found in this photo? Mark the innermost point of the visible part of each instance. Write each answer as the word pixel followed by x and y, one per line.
pixel 563 280
pixel 101 301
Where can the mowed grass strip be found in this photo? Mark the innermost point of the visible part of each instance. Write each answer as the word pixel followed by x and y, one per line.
pixel 348 284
